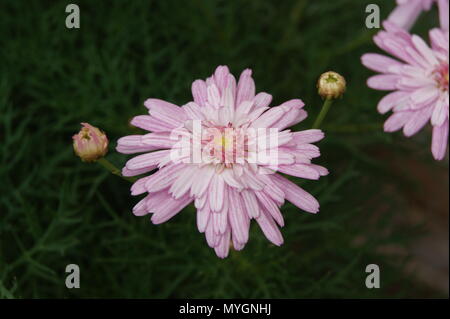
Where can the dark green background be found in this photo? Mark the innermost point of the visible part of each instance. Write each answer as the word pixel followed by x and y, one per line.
pixel 56 210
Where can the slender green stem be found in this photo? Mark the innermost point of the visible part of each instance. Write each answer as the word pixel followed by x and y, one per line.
pixel 323 112
pixel 113 169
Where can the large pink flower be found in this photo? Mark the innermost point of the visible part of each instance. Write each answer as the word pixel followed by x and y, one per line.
pixel 419 79
pixel 230 184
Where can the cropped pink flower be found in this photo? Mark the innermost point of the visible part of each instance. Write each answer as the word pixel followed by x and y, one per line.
pixel 418 79
pixel 227 188
pixel 406 12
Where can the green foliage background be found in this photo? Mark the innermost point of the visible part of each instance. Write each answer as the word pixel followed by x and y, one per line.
pixel 56 210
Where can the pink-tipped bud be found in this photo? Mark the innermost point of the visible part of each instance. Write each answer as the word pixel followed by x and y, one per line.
pixel 90 143
pixel 331 85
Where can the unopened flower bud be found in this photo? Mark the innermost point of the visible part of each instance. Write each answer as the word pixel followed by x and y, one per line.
pixel 331 85
pixel 90 143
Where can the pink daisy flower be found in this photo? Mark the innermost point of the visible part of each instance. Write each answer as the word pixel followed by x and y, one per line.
pixel 418 79
pixel 229 184
pixel 406 12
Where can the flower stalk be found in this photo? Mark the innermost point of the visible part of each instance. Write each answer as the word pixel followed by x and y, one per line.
pixel 323 113
pixel 114 170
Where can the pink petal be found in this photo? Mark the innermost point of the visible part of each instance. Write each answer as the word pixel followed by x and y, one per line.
pixel 416 58
pixel 269 228
pixel 397 121
pixel 229 94
pixel 440 112
pixel 223 214
pixel 293 114
pixel 237 245
pixel 267 139
pixel 424 96
pixel 397 31
pixel 171 208
pixel 220 221
pixel 223 245
pixel 302 158
pixel 230 178
pixel 213 95
pixel 299 170
pixel 211 238
pixel 275 157
pixel 167 112
pixel 199 92
pixel 183 181
pixel 193 111
pixel 379 63
pixel 268 118
pixel 424 50
pixel 403 50
pixel 271 207
pixel 250 203
pixel 443 14
pixel 405 15
pixel 202 180
pixel 140 209
pixel 291 118
pixel 150 123
pixel 439 40
pixel 221 77
pixel 262 99
pixel 297 195
pixel 245 87
pixel 239 220
pixel 134 172
pixel 392 99
pixel 158 140
pixel 256 113
pixel 201 201
pixel 156 201
pixel 202 219
pixel 138 187
pixel 308 150
pixel 252 180
pixel 272 189
pixel 417 121
pixel 320 169
pixel 383 82
pixel 440 141
pixel 292 104
pixel 394 42
pixel 244 108
pixel 216 190
pixel 413 83
pixel 133 144
pixel 307 136
pixel 163 178
pixel 146 160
